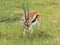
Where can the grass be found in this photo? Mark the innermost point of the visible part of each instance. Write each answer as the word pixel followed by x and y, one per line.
pixel 11 30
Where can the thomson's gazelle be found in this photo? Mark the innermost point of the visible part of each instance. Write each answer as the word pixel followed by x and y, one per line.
pixel 29 19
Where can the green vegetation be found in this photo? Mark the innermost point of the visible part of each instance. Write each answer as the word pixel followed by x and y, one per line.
pixel 10 26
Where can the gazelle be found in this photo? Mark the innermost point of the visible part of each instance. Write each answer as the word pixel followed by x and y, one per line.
pixel 29 19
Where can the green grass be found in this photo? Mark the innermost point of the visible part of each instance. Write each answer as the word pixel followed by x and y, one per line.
pixel 10 26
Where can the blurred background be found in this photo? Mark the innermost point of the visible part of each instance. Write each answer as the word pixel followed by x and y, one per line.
pixel 11 12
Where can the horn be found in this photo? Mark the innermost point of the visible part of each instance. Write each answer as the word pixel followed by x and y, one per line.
pixel 24 11
pixel 28 11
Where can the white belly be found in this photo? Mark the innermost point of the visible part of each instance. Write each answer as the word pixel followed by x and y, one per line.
pixel 34 23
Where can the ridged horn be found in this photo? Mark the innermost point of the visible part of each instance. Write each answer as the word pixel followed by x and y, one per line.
pixel 24 11
pixel 28 11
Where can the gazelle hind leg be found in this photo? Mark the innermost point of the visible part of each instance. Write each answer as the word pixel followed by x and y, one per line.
pixel 38 22
pixel 38 25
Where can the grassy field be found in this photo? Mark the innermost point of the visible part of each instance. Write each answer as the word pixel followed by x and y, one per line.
pixel 11 30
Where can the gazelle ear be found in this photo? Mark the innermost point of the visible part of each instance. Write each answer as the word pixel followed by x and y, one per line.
pixel 22 19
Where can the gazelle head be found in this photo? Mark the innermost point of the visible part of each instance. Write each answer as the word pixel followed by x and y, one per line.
pixel 26 20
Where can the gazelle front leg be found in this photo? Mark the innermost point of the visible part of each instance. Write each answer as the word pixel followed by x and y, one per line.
pixel 31 31
pixel 23 32
pixel 23 28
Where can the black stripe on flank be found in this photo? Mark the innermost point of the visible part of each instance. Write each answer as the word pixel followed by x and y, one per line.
pixel 35 19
